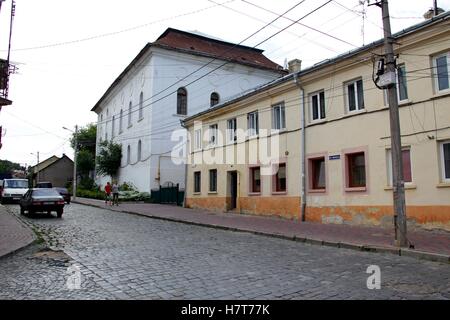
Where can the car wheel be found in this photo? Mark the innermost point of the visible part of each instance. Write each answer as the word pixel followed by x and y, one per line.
pixel 22 211
pixel 59 213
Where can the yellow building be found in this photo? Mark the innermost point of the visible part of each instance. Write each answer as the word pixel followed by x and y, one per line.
pixel 247 155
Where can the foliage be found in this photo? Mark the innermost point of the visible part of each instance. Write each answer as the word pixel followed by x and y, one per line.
pixel 87 183
pixel 85 162
pixel 123 195
pixel 127 186
pixel 7 166
pixel 109 158
pixel 86 138
pixel 92 194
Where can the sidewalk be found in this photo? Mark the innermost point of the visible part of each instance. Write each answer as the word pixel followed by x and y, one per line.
pixel 430 245
pixel 14 235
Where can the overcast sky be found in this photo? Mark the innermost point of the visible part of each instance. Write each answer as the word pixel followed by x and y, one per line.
pixel 69 52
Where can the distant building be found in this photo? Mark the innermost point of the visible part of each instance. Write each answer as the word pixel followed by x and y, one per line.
pixel 58 171
pixel 145 104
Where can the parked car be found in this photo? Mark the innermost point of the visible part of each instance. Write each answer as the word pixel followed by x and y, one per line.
pixel 42 200
pixel 13 189
pixel 44 185
pixel 64 192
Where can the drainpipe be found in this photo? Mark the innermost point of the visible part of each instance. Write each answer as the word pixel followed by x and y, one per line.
pixel 186 165
pixel 303 148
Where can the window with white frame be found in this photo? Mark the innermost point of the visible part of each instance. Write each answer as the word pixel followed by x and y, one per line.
pixel 113 122
pixel 354 93
pixel 231 130
pixel 128 154
pixel 253 124
pixel 198 139
pixel 445 160
pixel 278 117
pixel 406 161
pixel 213 134
pixel 317 106
pixel 442 72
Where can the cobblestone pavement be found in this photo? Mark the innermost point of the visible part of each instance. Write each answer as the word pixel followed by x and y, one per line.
pixel 123 256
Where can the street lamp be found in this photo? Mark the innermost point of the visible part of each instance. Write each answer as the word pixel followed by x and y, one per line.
pixel 74 185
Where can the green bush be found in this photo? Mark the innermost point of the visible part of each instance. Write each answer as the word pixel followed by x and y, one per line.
pixel 92 194
pixel 127 186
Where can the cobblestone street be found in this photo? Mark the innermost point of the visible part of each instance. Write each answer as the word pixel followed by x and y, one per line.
pixel 123 256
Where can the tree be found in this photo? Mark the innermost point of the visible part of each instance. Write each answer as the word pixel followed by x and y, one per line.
pixel 86 138
pixel 7 167
pixel 109 158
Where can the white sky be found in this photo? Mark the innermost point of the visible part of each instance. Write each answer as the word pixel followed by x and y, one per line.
pixel 57 85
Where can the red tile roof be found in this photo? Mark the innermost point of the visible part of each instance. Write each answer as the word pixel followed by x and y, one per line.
pixel 200 45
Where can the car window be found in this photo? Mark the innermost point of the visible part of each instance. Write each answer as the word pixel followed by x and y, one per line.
pixel 16 184
pixel 45 193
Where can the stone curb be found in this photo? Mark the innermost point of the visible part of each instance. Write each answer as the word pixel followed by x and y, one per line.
pixel 423 255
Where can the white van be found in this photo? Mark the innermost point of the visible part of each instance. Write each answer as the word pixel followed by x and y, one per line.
pixel 13 189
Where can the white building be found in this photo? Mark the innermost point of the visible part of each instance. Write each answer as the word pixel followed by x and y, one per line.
pixel 178 75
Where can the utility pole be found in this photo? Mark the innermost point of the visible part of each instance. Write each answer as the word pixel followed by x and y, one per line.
pixel 74 188
pixel 398 182
pixel 435 8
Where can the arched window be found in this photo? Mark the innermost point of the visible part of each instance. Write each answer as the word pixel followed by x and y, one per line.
pixel 141 105
pixel 182 101
pixel 214 99
pixel 120 121
pixel 139 151
pixel 128 154
pixel 129 114
pixel 112 126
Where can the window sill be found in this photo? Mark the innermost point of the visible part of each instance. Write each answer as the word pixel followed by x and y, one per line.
pixel 197 193
pixel 279 193
pixel 439 94
pixel 443 185
pixel 407 187
pixel 212 192
pixel 253 194
pixel 180 115
pixel 318 121
pixel 277 131
pixel 319 191
pixel 140 119
pixel 404 102
pixel 358 189
pixel 356 111
pixel 254 137
pixel 129 126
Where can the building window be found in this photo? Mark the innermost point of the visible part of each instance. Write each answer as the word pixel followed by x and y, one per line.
pixel 355 170
pixel 113 122
pixel 182 101
pixel 231 130
pixel 445 160
pixel 120 121
pixel 130 107
pixel 198 139
pixel 214 99
pixel 318 106
pixel 253 124
pixel 197 182
pixel 213 180
pixel 406 160
pixel 280 178
pixel 354 95
pixel 402 90
pixel 442 72
pixel 317 174
pixel 141 105
pixel 255 180
pixel 213 134
pixel 278 117
pixel 128 154
pixel 139 151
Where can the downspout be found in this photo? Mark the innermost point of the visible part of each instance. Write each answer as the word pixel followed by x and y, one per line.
pixel 303 150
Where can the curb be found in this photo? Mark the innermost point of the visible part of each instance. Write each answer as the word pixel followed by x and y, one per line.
pixel 34 241
pixel 423 255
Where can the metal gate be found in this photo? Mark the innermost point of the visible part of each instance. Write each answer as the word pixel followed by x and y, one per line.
pixel 168 194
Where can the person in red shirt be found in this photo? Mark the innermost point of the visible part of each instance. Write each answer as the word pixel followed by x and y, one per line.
pixel 107 192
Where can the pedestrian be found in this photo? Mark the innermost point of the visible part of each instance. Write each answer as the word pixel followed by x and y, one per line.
pixel 107 192
pixel 115 192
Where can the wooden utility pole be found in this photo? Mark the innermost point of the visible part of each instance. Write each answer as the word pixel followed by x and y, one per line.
pixel 74 188
pixel 435 8
pixel 398 182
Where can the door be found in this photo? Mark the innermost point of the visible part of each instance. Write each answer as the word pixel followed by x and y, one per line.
pixel 233 189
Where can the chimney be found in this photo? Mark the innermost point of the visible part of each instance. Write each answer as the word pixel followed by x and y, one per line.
pixel 294 65
pixel 432 12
